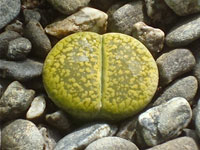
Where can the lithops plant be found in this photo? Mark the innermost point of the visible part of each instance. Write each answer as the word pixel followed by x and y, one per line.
pixel 92 76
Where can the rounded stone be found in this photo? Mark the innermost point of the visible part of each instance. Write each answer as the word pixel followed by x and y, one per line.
pixel 9 9
pixel 114 143
pixel 110 76
pixel 22 135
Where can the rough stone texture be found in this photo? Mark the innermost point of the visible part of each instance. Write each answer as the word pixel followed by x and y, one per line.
pixel 5 38
pixel 183 8
pixel 68 7
pixel 21 135
pixel 174 64
pixel 59 120
pixel 152 38
pixel 16 26
pixel 111 143
pixel 40 41
pixel 21 70
pixel 123 18
pixel 163 122
pixel 182 143
pixel 87 19
pixel 84 136
pixel 30 14
pixel 185 87
pixel 184 33
pixel 37 108
pixel 15 101
pixel 9 9
pixel 18 49
pixel 159 12
pixel 127 129
pixel 197 119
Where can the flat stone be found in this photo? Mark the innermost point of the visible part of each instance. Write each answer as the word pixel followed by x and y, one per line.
pixel 123 18
pixel 87 19
pixel 15 101
pixel 18 49
pixel 9 9
pixel 5 38
pixel 159 13
pixel 182 143
pixel 68 7
pixel 183 8
pixel 22 135
pixel 37 108
pixel 184 33
pixel 40 41
pixel 81 138
pixel 174 63
pixel 114 143
pixel 163 122
pixel 152 38
pixel 185 87
pixel 20 70
pixel 30 14
pixel 59 120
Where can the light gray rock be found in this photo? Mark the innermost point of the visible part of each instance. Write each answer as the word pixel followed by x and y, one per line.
pixel 174 63
pixel 68 7
pixel 5 38
pixel 20 70
pixel 123 18
pixel 16 26
pixel 159 13
pixel 183 8
pixel 40 41
pixel 163 122
pixel 185 87
pixel 152 38
pixel 191 133
pixel 22 135
pixel 59 120
pixel 15 101
pixel 184 32
pixel 182 143
pixel 112 143
pixel 18 49
pixel 30 14
pixel 9 9
pixel 87 19
pixel 37 108
pixel 81 138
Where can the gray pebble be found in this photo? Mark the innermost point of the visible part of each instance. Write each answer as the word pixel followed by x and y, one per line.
pixel 183 8
pixel 20 70
pixel 37 108
pixel 185 87
pixel 159 12
pixel 15 101
pixel 197 119
pixel 21 135
pixel 59 120
pixel 163 122
pixel 30 14
pixel 18 49
pixel 174 64
pixel 196 49
pixel 184 33
pixel 152 38
pixel 81 138
pixel 9 9
pixel 112 143
pixel 191 133
pixel 123 18
pixel 40 41
pixel 68 7
pixel 5 38
pixel 182 143
pixel 16 26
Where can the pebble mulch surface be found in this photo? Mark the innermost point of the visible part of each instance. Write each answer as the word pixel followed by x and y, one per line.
pixel 169 29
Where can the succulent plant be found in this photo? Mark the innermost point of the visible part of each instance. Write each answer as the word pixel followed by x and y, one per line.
pixel 91 76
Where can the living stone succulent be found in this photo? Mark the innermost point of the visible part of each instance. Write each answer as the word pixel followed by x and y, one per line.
pixel 91 76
